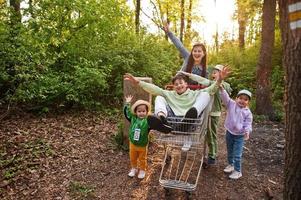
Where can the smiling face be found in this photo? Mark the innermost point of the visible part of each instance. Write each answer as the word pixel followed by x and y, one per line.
pixel 197 54
pixel 141 111
pixel 180 86
pixel 242 100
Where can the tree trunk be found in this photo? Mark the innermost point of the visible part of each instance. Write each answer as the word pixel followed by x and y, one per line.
pixel 189 21
pixel 17 14
pixel 263 94
pixel 291 37
pixel 137 16
pixel 182 20
pixel 216 40
pixel 164 9
pixel 242 23
pixel 167 18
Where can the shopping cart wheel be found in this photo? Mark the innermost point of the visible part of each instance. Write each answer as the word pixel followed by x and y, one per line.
pixel 188 195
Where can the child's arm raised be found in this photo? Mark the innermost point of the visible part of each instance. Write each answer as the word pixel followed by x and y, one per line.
pixel 148 87
pixel 212 89
pixel 197 78
pixel 126 109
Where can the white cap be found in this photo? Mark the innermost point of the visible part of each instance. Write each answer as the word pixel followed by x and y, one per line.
pixel 246 92
pixel 218 67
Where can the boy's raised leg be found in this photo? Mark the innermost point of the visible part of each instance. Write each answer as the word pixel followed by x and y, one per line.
pixel 156 124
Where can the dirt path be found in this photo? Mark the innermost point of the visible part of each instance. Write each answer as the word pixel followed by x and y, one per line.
pixel 73 156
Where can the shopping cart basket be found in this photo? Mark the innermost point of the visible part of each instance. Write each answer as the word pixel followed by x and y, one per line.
pixel 182 169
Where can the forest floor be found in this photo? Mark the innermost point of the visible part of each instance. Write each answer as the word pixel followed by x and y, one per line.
pixel 74 156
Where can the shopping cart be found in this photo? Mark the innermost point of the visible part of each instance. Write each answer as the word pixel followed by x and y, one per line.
pixel 181 169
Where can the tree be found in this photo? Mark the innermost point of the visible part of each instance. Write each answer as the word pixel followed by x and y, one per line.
pixel 263 93
pixel 15 4
pixel 291 37
pixel 137 16
pixel 245 15
pixel 242 22
pixel 182 20
pixel 189 22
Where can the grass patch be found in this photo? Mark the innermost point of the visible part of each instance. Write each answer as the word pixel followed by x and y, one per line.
pixel 79 190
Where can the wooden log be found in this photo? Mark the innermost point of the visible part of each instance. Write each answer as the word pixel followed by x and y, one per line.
pixel 138 93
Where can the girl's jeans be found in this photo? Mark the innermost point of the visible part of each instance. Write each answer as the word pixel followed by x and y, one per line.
pixel 235 144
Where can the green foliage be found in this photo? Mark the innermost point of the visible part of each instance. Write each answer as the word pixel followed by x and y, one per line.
pixel 79 190
pixel 259 118
pixel 243 65
pixel 74 53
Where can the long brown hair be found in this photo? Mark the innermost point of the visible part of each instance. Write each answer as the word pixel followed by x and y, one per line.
pixel 190 62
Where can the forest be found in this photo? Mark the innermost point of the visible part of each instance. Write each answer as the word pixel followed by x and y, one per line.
pixel 62 65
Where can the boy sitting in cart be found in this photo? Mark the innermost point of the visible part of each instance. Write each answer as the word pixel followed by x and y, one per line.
pixel 181 101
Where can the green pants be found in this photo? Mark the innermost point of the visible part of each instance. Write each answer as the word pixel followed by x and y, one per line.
pixel 211 136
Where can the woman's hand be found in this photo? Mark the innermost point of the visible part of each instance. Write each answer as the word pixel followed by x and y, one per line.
pixel 166 27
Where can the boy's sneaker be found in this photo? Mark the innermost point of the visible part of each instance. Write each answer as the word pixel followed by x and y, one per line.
pixel 186 146
pixel 187 121
pixel 211 161
pixel 229 169
pixel 156 124
pixel 132 172
pixel 192 113
pixel 235 175
pixel 164 120
pixel 141 174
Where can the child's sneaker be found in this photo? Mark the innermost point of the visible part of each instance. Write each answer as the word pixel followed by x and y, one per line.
pixel 186 146
pixel 164 120
pixel 141 174
pixel 229 169
pixel 235 175
pixel 211 161
pixel 132 172
pixel 156 124
pixel 192 113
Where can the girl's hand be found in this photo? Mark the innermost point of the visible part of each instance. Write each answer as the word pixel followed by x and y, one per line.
pixel 247 136
pixel 128 98
pixel 130 77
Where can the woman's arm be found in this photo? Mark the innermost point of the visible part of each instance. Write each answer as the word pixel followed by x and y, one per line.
pixel 179 45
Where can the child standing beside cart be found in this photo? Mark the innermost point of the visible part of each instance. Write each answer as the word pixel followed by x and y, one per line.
pixel 238 126
pixel 138 134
